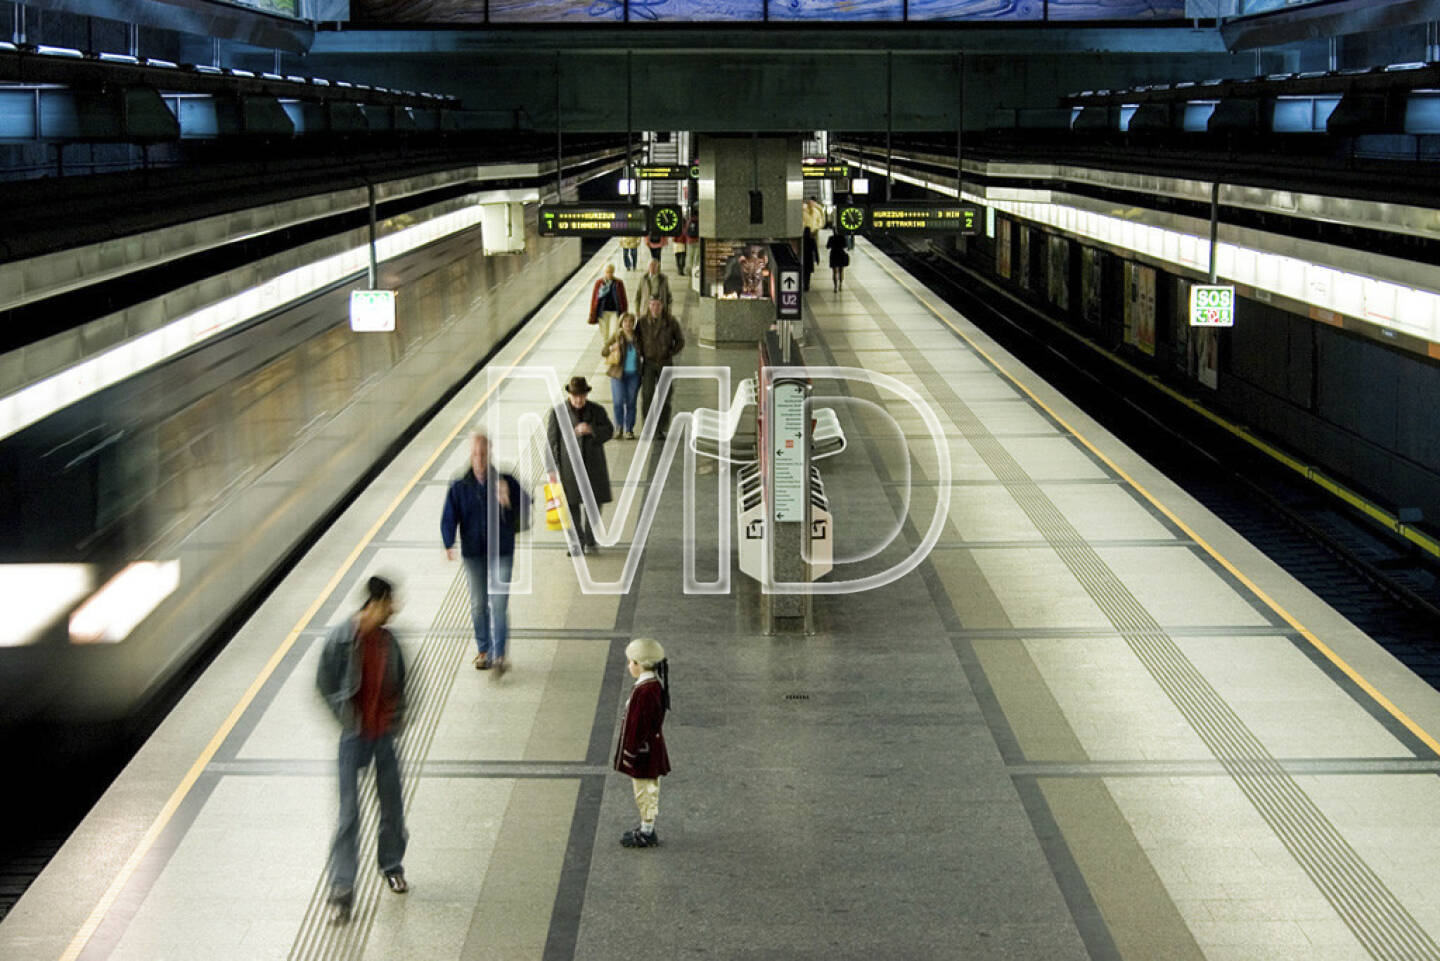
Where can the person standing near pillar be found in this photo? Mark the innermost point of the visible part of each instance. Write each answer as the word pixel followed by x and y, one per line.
pixel 477 499
pixel 660 340
pixel 362 678
pixel 607 301
pixel 640 752
pixel 653 284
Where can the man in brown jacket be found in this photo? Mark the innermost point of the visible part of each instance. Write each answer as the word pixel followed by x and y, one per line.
pixel 660 340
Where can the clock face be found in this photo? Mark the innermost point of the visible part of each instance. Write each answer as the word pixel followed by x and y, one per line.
pixel 852 218
pixel 667 219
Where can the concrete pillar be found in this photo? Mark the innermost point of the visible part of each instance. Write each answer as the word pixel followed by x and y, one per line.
pixel 731 168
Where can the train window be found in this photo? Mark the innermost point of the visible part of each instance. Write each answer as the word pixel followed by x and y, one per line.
pixel 192 456
pixel 332 371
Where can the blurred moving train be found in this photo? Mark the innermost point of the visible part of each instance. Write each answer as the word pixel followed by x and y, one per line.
pixel 226 457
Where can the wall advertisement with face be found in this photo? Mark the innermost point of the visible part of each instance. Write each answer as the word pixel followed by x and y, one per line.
pixel 737 269
pixel 1140 307
pixel 1181 354
pixel 1002 247
pixel 1058 271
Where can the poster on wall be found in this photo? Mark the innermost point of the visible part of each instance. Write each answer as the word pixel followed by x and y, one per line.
pixel 1140 307
pixel 1002 247
pixel 1180 328
pixel 1091 285
pixel 1205 355
pixel 1058 271
pixel 1023 274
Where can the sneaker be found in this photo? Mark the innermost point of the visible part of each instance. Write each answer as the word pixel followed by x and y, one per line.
pixel 500 668
pixel 482 663
pixel 636 838
pixel 396 881
pixel 629 435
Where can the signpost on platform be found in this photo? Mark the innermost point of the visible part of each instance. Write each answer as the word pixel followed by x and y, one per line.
pixel 372 311
pixel 1212 305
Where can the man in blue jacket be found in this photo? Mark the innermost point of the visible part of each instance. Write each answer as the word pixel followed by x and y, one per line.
pixel 487 508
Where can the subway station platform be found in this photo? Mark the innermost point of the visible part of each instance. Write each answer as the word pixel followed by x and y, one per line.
pixel 1092 723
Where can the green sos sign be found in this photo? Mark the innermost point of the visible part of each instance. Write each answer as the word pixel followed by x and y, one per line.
pixel 1212 305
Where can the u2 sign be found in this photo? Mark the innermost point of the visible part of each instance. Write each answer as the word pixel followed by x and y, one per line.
pixel 1212 305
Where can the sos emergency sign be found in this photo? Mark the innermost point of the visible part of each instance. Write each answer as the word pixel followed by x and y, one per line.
pixel 1212 305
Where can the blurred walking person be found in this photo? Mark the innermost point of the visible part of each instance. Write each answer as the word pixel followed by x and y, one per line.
pixel 362 678
pixel 486 508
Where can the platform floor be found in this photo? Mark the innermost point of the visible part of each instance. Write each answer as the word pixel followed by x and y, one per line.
pixel 1092 723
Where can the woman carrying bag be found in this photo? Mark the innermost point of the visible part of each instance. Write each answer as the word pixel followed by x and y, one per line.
pixel 622 363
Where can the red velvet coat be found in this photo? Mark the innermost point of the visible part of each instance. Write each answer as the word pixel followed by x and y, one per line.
pixel 641 751
pixel 595 299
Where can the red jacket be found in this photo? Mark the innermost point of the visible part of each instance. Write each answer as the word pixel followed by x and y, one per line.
pixel 595 299
pixel 641 751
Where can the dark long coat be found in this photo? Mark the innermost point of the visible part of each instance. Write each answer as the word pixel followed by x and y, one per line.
pixel 641 750
pixel 592 449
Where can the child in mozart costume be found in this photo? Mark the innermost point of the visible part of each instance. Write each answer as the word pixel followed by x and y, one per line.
pixel 641 751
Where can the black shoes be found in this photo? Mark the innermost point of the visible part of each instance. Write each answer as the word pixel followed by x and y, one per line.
pixel 636 838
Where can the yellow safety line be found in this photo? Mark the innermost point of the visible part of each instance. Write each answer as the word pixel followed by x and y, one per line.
pixel 1250 585
pixel 87 930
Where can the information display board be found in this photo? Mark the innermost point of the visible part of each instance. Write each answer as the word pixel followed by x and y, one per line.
pixel 593 220
pixel 1212 305
pixel 788 439
pixel 667 172
pixel 967 219
pixel 828 171
pixel 372 311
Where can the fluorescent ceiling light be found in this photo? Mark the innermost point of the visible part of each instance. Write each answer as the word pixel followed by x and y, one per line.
pixel 39 594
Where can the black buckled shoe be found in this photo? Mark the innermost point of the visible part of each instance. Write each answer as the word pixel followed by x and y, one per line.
pixel 636 838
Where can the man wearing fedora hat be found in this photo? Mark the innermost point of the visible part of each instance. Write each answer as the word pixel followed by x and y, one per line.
pixel 592 428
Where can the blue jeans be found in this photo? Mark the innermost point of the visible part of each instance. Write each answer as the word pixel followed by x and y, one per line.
pixel 624 391
pixel 355 754
pixel 488 608
pixel 631 255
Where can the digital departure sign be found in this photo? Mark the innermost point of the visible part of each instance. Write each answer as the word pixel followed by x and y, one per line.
pixel 943 217
pixel 593 220
pixel 667 172
pixel 962 218
pixel 828 171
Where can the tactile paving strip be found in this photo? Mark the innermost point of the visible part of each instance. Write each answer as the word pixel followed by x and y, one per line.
pixel 1371 910
pixel 427 688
